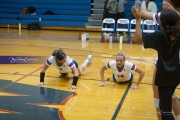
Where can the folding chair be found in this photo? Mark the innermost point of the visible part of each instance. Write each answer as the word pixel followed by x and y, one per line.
pixel 120 24
pixel 110 23
pixel 133 30
pixel 151 23
pixel 157 27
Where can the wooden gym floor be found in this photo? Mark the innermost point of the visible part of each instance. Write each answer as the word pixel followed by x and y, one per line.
pixel 22 99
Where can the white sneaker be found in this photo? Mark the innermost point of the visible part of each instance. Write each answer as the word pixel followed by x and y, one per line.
pixel 90 60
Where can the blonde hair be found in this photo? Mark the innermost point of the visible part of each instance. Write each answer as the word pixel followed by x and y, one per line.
pixel 121 54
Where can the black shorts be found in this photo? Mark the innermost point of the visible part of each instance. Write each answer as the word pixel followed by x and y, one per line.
pixel 110 15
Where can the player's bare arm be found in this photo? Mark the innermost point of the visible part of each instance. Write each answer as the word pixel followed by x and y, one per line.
pixel 137 15
pixel 141 75
pixel 102 76
pixel 42 74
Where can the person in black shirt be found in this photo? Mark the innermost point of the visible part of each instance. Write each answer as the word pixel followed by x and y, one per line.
pixel 167 43
pixel 167 4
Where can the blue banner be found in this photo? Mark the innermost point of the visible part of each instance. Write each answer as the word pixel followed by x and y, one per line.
pixel 22 59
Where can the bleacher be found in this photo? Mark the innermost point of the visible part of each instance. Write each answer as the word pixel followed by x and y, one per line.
pixel 67 13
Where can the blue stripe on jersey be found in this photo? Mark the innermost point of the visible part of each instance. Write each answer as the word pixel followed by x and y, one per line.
pixel 71 64
pixel 156 17
pixel 75 63
pixel 133 67
pixel 48 62
pixel 131 76
pixel 108 65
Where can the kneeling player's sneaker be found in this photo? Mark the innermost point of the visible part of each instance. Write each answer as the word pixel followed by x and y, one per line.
pixel 90 60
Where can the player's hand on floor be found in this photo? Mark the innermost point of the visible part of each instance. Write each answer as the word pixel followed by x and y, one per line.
pixel 73 87
pixel 41 84
pixel 102 84
pixel 134 87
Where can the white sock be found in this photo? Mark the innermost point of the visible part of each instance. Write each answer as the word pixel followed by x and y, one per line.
pixel 177 117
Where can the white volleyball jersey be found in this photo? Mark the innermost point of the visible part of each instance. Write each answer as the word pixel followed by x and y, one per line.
pixel 65 68
pixel 156 17
pixel 125 73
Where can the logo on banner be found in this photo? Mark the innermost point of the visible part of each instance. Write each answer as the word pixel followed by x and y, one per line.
pixel 22 59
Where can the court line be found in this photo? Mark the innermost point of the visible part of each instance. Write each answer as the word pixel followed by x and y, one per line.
pixel 27 74
pixel 121 102
pixel 108 79
pixel 83 51
pixel 6 86
pixel 52 76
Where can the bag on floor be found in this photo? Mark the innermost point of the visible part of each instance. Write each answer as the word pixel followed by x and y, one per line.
pixel 33 26
pixel 31 10
pixel 48 12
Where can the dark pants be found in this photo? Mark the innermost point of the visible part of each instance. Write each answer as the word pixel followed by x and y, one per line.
pixel 110 15
pixel 165 96
pixel 121 15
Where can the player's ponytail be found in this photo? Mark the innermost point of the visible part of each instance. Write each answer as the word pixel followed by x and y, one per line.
pixel 170 23
pixel 59 54
pixel 54 52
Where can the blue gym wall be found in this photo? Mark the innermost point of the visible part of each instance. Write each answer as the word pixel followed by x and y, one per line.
pixel 68 13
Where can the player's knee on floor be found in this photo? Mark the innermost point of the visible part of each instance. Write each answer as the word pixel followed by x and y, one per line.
pixel 156 103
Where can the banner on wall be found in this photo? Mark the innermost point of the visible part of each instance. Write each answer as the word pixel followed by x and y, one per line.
pixel 22 59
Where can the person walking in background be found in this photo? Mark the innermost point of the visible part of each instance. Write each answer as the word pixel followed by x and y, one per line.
pixel 164 6
pixel 121 11
pixel 112 7
pixel 105 12
pixel 151 7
